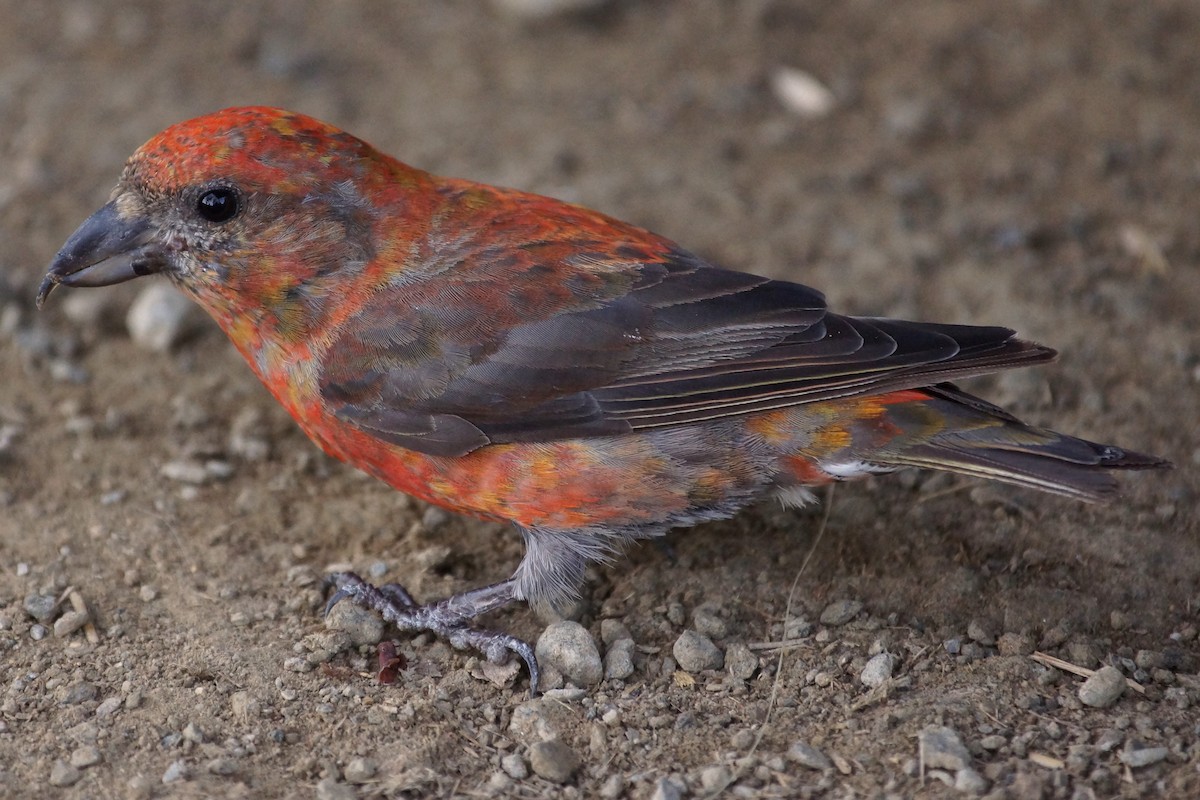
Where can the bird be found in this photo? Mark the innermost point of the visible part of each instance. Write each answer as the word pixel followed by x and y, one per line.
pixel 521 359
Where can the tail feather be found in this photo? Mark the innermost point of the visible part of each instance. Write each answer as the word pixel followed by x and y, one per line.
pixel 985 441
pixel 1057 470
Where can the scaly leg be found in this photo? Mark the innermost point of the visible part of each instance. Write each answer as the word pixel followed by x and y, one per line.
pixel 449 618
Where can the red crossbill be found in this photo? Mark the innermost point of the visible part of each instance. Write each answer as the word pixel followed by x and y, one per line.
pixel 518 358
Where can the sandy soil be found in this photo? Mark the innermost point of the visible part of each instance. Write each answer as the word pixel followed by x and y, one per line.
pixel 1034 164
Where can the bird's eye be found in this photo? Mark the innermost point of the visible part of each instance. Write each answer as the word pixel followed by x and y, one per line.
pixel 219 204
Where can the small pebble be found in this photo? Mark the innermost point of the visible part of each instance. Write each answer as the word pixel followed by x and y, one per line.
pixel 331 788
pixel 63 774
pixel 806 755
pixel 942 748
pixel 740 661
pixel 706 621
pixel 84 756
pixel 1143 757
pixel 176 771
pixel 160 317
pixel 980 631
pixel 70 622
pixel 993 741
pixel 553 760
pixel 363 626
pixel 613 630
pixel 877 670
pixel 147 593
pixel 695 652
pixel 514 766
pixel 666 789
pixel 801 93
pixel 618 661
pixel 1103 688
pixel 714 779
pixel 969 781
pixel 40 606
pixel 360 770
pixel 840 612
pixel 569 648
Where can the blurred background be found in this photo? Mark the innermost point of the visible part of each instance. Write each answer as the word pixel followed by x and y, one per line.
pixel 1033 163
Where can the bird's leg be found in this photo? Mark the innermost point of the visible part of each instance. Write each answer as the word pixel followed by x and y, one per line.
pixel 449 618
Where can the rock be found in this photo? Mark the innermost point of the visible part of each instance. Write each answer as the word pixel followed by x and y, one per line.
pixel 1103 688
pixel 695 652
pixel 332 789
pixel 666 789
pixel 740 661
pixel 707 621
pixel 942 748
pixel 1015 644
pixel 160 317
pixel 360 770
pixel 969 781
pixel 63 774
pixel 569 648
pixel 618 661
pixel 715 779
pixel 514 766
pixel 806 755
pixel 1143 757
pixel 840 612
pixel 541 718
pixel 613 630
pixel 801 93
pixel 980 631
pixel 878 670
pixel 84 756
pixel 176 771
pixel 40 606
pixel 553 760
pixel 364 627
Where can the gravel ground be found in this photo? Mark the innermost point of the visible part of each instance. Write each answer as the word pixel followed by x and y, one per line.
pixel 165 528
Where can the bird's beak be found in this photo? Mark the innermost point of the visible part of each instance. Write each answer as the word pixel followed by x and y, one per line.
pixel 109 247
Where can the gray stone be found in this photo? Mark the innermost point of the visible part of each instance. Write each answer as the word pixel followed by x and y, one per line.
pixel 1143 757
pixel 568 647
pixel 84 756
pixel 553 760
pixel 878 670
pixel 360 770
pixel 160 317
pixel 969 781
pixel 618 661
pixel 695 652
pixel 514 766
pixel 666 789
pixel 1103 688
pixel 808 756
pixel 740 661
pixel 63 774
pixel 942 748
pixel 364 627
pixel 840 612
pixel 40 606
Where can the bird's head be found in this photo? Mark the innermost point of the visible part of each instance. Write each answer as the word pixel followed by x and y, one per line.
pixel 257 213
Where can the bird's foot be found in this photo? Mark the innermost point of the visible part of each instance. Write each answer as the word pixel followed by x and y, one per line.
pixel 449 618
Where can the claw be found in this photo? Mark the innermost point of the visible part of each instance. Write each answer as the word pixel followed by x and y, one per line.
pixel 449 618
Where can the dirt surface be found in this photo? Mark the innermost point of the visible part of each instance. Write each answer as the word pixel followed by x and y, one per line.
pixel 1034 164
